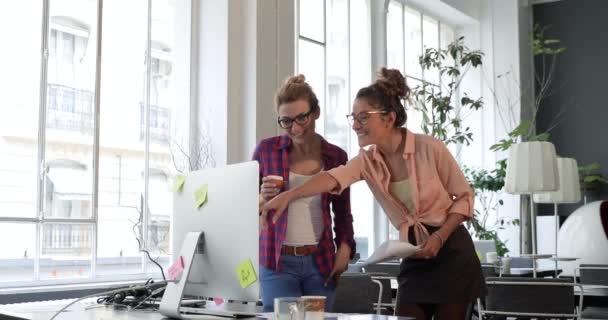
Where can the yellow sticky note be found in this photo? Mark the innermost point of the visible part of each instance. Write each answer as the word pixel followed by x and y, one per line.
pixel 479 255
pixel 246 273
pixel 200 196
pixel 178 184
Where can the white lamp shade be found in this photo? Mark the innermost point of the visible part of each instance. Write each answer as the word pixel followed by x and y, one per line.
pixel 569 185
pixel 531 168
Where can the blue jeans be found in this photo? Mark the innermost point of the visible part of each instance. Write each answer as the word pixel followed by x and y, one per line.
pixel 299 276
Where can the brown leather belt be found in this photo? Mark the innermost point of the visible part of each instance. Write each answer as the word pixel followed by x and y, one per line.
pixel 299 250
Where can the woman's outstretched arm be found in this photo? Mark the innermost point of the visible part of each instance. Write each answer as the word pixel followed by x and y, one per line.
pixel 320 183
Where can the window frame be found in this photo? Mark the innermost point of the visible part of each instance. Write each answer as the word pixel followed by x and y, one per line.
pixel 38 219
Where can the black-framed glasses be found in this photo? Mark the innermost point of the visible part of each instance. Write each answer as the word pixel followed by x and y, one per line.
pixel 301 119
pixel 363 116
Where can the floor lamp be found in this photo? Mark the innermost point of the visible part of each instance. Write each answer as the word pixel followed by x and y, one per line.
pixel 532 168
pixel 569 192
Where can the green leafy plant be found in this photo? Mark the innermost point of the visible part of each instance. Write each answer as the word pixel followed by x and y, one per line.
pixel 487 186
pixel 590 177
pixel 441 115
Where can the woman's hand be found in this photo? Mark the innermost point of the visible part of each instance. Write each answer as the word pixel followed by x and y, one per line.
pixel 429 249
pixel 268 190
pixel 340 263
pixel 277 204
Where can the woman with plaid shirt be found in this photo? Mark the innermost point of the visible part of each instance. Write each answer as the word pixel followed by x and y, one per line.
pixel 298 253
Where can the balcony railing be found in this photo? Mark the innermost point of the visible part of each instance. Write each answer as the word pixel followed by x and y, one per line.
pixel 69 109
pixel 160 118
pixel 65 239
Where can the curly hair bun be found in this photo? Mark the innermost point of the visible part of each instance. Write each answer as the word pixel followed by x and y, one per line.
pixel 392 83
pixel 298 79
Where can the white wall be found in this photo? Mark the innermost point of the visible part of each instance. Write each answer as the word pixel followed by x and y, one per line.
pixel 245 51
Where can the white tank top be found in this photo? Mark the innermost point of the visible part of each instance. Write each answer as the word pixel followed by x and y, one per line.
pixel 305 216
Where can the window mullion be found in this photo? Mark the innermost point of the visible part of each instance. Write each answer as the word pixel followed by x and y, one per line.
pixel 145 212
pixel 41 134
pixel 96 126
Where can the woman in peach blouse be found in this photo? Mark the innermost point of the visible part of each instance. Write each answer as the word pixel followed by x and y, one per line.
pixel 422 191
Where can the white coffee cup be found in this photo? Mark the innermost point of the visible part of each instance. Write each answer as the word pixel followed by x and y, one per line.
pixel 277 180
pixel 492 257
pixel 314 307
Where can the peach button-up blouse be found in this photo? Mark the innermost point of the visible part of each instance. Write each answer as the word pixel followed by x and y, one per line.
pixel 438 185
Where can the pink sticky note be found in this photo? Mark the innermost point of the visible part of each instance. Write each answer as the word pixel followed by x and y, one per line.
pixel 218 301
pixel 176 269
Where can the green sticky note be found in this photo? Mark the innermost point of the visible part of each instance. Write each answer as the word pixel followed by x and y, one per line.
pixel 178 184
pixel 479 255
pixel 246 273
pixel 200 196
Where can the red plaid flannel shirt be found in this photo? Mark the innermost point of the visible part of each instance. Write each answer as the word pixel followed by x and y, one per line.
pixel 273 157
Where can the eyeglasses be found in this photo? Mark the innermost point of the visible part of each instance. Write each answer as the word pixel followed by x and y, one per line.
pixel 363 117
pixel 301 119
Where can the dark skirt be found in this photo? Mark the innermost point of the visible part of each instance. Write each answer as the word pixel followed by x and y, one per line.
pixel 454 276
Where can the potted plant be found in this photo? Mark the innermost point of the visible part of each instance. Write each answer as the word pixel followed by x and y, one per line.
pixel 487 186
pixel 590 179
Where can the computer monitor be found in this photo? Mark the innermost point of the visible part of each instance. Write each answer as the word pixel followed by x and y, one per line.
pixel 229 225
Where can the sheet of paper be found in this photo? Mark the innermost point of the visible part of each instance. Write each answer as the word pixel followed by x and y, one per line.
pixel 246 273
pixel 391 249
pixel 178 184
pixel 200 196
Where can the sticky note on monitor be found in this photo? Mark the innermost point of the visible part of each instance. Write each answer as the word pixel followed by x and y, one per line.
pixel 246 273
pixel 200 196
pixel 178 184
pixel 176 269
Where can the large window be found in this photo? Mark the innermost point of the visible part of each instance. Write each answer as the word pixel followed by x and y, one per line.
pixel 334 55
pixel 81 197
pixel 409 34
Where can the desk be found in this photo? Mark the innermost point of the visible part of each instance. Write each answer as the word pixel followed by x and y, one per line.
pixel 44 311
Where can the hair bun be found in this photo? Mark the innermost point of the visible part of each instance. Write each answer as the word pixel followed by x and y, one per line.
pixel 298 79
pixel 393 83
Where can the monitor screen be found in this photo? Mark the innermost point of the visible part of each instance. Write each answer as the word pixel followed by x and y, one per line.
pixel 229 221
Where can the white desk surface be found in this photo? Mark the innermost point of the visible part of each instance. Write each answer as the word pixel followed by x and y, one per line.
pixel 89 310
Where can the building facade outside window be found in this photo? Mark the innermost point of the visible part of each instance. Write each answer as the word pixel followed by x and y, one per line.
pixel 48 167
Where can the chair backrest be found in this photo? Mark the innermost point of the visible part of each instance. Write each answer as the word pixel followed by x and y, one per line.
pixel 594 274
pixel 521 262
pixel 488 270
pixel 391 268
pixel 386 296
pixel 355 293
pixel 538 296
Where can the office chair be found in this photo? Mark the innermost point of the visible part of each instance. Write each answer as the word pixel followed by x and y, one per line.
pixel 357 293
pixel 593 277
pixel 529 298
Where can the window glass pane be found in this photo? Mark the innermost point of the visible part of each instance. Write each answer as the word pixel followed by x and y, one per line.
pixel 20 25
pixel 17 259
pixel 430 39
pixel 446 37
pixel 413 42
pixel 312 14
pixel 338 101
pixel 66 251
pixel 69 119
pixel 311 63
pixel 394 36
pixel 414 117
pixel 360 68
pixel 122 152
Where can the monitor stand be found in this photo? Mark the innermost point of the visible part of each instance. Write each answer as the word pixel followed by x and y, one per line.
pixel 174 292
pixel 171 303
